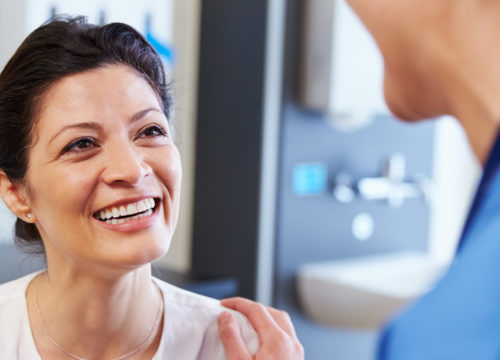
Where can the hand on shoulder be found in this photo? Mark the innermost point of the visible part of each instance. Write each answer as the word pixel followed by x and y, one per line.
pixel 274 328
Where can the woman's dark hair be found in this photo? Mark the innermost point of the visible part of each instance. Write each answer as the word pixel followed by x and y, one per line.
pixel 61 47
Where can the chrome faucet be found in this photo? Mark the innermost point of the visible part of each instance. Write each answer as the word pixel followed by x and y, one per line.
pixel 390 187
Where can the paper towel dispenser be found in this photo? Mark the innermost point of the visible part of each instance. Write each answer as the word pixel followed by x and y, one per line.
pixel 340 67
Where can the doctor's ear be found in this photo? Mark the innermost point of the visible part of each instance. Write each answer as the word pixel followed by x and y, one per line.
pixel 14 195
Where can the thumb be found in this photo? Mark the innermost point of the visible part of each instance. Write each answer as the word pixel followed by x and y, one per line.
pixel 229 332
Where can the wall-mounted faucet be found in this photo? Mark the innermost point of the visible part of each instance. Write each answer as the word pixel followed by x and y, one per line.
pixel 390 187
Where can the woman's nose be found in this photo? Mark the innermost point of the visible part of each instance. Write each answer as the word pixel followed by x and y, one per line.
pixel 125 165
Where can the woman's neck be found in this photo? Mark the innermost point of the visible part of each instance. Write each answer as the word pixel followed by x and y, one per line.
pixel 95 317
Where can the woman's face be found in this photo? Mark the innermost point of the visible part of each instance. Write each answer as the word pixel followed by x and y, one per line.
pixel 104 175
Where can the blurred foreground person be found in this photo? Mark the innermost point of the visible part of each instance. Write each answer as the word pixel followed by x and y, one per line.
pixel 441 57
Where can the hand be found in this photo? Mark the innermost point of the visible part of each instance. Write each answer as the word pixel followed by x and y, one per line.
pixel 274 328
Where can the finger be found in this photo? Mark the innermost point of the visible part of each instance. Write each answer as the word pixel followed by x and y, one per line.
pixel 257 314
pixel 230 335
pixel 283 320
pixel 274 332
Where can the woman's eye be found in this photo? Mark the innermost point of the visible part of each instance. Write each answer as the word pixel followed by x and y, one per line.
pixel 80 145
pixel 152 131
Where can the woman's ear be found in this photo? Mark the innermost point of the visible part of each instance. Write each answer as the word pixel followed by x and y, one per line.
pixel 14 196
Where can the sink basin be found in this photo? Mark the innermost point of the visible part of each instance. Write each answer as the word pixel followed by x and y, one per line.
pixel 364 292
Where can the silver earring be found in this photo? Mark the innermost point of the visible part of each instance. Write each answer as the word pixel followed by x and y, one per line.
pixel 28 215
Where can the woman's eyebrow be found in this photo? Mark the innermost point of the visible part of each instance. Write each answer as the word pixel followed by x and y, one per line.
pixel 139 115
pixel 96 126
pixel 82 125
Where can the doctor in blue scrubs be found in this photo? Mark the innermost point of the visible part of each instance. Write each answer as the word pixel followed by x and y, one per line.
pixel 441 57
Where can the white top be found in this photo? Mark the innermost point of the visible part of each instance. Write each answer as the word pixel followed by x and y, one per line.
pixel 189 326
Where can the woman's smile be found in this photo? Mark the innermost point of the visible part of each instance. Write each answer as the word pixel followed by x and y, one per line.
pixel 126 211
pixel 129 216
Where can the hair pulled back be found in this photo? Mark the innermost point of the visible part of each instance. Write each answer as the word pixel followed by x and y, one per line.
pixel 61 47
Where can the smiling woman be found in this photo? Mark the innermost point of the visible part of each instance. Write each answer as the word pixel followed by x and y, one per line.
pixel 89 167
pixel 103 136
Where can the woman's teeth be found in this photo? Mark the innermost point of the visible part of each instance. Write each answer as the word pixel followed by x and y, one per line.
pixel 122 220
pixel 120 214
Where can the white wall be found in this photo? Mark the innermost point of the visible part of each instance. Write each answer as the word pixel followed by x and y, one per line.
pixel 131 12
pixel 12 24
pixel 456 174
pixel 358 71
pixel 186 40
pixel 6 224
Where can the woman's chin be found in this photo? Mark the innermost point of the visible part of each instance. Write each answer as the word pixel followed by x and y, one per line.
pixel 133 257
pixel 135 248
pixel 147 256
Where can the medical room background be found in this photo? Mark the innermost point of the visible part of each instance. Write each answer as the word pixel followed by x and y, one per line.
pixel 300 189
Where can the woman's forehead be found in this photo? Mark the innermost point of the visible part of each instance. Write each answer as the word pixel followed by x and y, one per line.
pixel 108 89
pixel 104 95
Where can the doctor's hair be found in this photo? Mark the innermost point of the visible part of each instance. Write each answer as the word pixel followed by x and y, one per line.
pixel 62 47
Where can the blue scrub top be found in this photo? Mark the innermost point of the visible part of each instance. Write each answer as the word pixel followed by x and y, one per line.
pixel 460 317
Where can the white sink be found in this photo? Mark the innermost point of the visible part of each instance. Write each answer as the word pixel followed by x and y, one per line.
pixel 365 292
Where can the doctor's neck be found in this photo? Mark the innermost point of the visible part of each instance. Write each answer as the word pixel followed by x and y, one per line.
pixel 471 79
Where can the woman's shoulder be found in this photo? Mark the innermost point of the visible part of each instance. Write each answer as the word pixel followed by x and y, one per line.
pixel 16 341
pixel 16 288
pixel 197 315
pixel 174 294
